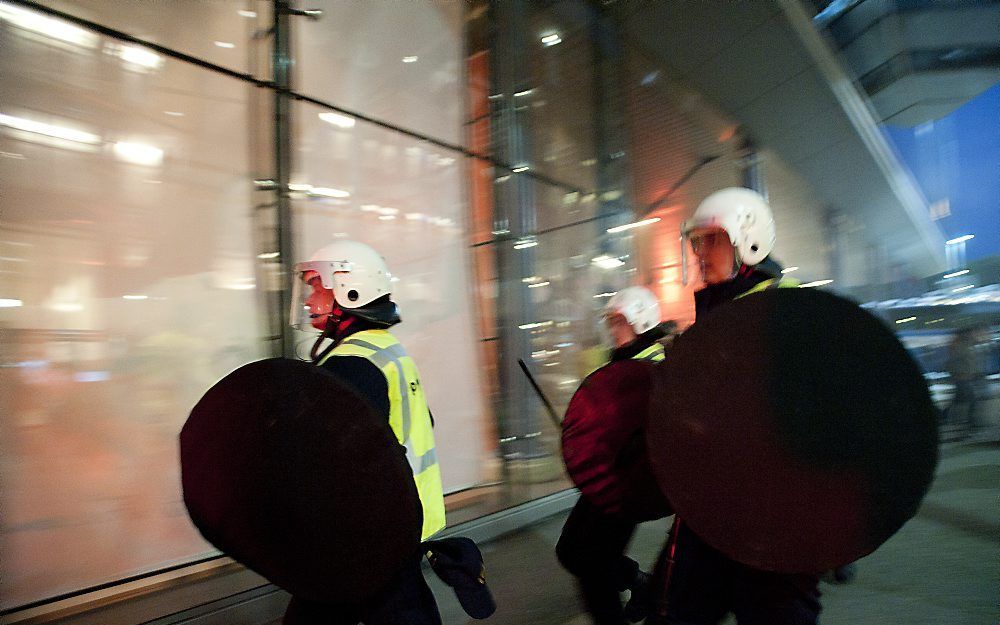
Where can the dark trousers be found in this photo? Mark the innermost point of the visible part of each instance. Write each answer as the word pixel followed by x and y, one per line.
pixel 705 586
pixel 406 599
pixel 592 547
pixel 965 395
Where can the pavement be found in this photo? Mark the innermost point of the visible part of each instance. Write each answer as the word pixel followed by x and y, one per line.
pixel 941 568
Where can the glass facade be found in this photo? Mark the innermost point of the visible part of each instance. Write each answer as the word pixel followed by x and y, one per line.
pixel 153 199
pixel 128 268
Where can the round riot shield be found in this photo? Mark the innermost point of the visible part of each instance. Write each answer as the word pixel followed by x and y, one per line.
pixel 791 431
pixel 603 441
pixel 287 470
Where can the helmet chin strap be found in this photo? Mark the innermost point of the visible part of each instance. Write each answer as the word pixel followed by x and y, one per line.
pixel 336 324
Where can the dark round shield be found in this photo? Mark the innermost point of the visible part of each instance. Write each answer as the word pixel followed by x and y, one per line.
pixel 287 470
pixel 791 431
pixel 603 441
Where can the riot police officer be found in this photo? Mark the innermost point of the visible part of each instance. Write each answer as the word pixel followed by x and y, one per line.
pixel 593 541
pixel 344 292
pixel 731 233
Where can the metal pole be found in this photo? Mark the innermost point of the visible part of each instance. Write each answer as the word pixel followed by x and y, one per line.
pixel 282 68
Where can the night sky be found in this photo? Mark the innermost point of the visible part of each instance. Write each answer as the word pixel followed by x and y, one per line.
pixel 958 158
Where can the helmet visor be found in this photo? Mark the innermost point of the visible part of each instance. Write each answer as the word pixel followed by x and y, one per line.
pixel 325 269
pixel 300 316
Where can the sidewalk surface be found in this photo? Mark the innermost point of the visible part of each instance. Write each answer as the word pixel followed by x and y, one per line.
pixel 941 568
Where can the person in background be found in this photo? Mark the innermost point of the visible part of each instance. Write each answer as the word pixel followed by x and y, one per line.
pixel 966 373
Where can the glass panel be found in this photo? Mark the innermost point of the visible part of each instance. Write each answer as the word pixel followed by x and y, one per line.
pixel 543 304
pixel 398 62
pixel 220 32
pixel 404 198
pixel 556 105
pixel 127 282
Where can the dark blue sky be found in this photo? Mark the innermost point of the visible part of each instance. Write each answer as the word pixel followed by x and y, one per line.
pixel 958 157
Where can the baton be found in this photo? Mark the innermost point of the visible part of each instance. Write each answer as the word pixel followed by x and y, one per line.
pixel 541 395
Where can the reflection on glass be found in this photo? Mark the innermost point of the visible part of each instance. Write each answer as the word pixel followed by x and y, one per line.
pixel 218 32
pixel 404 198
pixel 395 62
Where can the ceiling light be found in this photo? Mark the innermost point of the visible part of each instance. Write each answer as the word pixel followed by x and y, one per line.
pixel 608 294
pixel 341 121
pixel 607 262
pixel 637 224
pixel 532 326
pixel 789 269
pixel 963 288
pixel 174 113
pixel 224 44
pixel 551 39
pixel 957 273
pixel 520 168
pixel 410 59
pixel 49 130
pixel 137 55
pixel 525 243
pixel 961 239
pixel 267 255
pixel 414 216
pixel 48 26
pixel 67 307
pixel 135 297
pixel 138 153
pixel 906 320
pixel 816 283
pixel 386 217
pixel 538 284
pixel 10 303
pixel 243 13
pixel 328 192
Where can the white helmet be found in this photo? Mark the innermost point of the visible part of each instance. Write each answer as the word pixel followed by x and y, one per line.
pixel 745 216
pixel 355 273
pixel 638 305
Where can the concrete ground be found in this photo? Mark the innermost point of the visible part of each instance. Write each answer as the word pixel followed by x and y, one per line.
pixel 943 567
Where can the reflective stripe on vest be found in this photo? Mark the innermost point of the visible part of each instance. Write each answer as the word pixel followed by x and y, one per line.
pixel 773 283
pixel 653 353
pixel 409 417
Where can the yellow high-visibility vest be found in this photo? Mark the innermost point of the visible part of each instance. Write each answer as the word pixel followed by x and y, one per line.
pixel 653 353
pixel 409 417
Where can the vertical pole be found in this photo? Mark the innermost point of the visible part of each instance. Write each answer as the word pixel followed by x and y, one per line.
pixel 282 68
pixel 514 199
